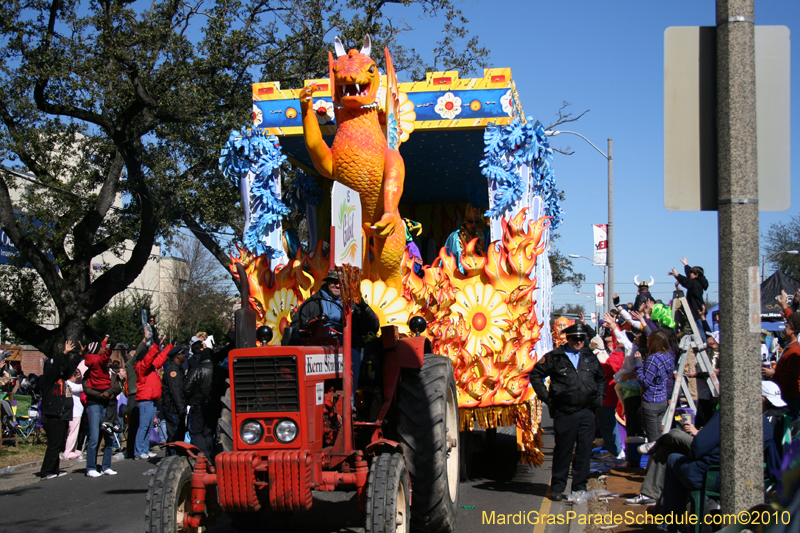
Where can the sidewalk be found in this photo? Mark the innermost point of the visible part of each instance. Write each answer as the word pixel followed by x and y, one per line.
pixel 622 482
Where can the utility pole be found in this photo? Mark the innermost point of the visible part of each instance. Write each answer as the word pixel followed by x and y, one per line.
pixel 740 405
pixel 609 294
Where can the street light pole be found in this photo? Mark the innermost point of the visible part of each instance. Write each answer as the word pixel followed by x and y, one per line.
pixel 610 229
pixel 768 257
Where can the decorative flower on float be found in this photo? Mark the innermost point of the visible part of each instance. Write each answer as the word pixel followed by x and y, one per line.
pixel 324 111
pixel 405 117
pixel 279 313
pixel 507 101
pixel 448 106
pixel 485 313
pixel 389 305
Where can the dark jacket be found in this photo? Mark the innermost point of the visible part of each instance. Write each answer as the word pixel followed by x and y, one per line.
pixel 694 291
pixel 705 449
pixel 570 389
pixel 172 398
pixel 56 394
pixel 363 317
pixel 197 388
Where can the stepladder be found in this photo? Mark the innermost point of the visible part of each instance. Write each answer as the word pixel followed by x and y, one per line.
pixel 689 344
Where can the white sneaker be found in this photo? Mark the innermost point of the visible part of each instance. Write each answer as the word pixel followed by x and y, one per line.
pixel 53 476
pixel 109 472
pixel 152 454
pixel 640 499
pixel 645 448
pixel 93 473
pixel 621 456
pixel 143 457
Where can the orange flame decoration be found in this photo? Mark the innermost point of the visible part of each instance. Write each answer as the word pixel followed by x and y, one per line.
pixel 484 321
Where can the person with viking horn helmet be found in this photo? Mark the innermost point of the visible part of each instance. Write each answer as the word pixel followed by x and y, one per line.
pixel 470 229
pixel 577 389
pixel 642 286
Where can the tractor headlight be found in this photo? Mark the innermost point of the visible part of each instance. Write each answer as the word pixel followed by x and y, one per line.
pixel 285 431
pixel 252 431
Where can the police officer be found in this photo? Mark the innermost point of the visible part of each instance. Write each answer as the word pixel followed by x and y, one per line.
pixel 173 402
pixel 577 388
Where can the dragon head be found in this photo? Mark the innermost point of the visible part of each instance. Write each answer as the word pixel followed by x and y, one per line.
pixel 355 76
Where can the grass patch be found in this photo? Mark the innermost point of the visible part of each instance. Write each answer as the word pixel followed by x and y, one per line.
pixel 25 453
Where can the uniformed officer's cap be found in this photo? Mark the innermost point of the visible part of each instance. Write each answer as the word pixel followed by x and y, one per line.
pixel 577 331
pixel 175 351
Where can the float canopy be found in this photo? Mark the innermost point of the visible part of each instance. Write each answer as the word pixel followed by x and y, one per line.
pixel 441 156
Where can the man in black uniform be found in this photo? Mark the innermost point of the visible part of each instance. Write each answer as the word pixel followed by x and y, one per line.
pixel 577 388
pixel 173 403
pixel 202 390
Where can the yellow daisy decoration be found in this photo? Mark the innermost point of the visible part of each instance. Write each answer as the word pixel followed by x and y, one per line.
pixel 485 312
pixel 278 314
pixel 388 304
pixel 405 116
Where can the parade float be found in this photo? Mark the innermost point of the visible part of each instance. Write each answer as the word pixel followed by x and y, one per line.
pixel 421 151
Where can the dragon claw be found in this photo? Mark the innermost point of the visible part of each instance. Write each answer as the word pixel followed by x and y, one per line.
pixel 307 92
pixel 385 226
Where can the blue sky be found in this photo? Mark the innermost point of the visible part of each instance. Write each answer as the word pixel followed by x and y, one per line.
pixel 608 56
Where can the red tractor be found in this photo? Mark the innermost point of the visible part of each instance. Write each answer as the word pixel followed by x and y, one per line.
pixel 288 429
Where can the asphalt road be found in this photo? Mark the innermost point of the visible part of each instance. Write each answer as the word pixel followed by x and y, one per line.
pixel 116 503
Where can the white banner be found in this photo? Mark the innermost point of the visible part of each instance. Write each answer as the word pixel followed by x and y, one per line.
pixel 346 221
pixel 599 295
pixel 600 243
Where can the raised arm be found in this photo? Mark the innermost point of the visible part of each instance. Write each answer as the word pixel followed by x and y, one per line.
pixel 320 152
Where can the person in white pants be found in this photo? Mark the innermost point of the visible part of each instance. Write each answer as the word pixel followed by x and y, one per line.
pixel 70 451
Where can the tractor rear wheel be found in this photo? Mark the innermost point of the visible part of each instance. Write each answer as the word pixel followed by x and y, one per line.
pixel 169 497
pixel 388 507
pixel 427 427
pixel 225 423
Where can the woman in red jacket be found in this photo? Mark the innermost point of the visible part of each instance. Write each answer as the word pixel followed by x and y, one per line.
pixel 148 390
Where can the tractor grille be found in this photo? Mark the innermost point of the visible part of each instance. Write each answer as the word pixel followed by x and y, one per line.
pixel 265 384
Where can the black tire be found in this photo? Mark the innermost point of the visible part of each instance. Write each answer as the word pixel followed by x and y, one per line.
pixel 388 508
pixel 169 497
pixel 225 422
pixel 427 427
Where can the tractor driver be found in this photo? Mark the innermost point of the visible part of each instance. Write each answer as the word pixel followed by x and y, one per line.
pixel 327 302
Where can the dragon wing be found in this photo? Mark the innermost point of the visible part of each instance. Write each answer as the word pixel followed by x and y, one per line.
pixel 400 115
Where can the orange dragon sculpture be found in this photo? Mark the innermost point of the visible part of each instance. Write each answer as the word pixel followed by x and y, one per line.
pixel 361 157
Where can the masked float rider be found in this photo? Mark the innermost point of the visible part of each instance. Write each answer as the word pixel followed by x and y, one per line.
pixel 327 302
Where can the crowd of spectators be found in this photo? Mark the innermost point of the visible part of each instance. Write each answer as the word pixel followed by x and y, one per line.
pixel 639 349
pixel 159 391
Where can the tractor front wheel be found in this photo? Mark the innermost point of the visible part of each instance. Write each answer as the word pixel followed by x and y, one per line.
pixel 169 497
pixel 388 507
pixel 427 427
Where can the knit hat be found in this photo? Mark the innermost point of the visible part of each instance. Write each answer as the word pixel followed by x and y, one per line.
pixel 93 347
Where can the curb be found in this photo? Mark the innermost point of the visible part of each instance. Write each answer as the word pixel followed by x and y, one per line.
pixel 574 526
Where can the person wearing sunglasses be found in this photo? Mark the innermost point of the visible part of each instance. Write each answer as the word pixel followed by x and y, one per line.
pixel 325 306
